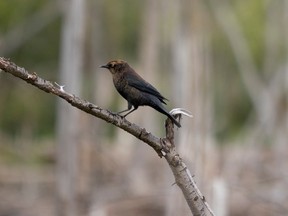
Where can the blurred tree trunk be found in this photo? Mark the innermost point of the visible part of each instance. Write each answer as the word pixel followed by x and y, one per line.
pixel 266 86
pixel 285 18
pixel 68 127
pixel 149 50
pixel 192 90
pixel 148 58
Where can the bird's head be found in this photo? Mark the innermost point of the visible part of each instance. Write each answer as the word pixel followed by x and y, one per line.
pixel 115 66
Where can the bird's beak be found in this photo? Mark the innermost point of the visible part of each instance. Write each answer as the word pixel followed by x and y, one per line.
pixel 104 66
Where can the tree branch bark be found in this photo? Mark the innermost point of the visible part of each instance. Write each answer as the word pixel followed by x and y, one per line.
pixel 163 146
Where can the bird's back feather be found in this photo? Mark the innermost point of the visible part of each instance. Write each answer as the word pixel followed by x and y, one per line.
pixel 136 81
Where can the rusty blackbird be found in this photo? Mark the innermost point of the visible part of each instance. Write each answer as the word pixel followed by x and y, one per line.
pixel 135 89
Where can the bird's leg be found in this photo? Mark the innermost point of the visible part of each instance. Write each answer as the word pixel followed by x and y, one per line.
pixel 129 108
pixel 123 111
pixel 135 108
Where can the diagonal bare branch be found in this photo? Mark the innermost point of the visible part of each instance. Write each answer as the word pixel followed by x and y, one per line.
pixel 47 86
pixel 163 146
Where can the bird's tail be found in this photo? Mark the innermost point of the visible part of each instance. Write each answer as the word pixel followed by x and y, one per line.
pixel 174 120
pixel 161 109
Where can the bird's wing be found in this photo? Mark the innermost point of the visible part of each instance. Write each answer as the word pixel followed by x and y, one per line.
pixel 139 83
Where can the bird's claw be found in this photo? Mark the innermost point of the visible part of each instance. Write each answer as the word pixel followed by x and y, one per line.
pixel 117 114
pixel 112 113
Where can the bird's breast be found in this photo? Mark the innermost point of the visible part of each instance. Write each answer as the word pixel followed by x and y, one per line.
pixel 119 82
pixel 131 94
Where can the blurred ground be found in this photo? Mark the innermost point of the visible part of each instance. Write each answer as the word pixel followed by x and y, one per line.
pixel 255 185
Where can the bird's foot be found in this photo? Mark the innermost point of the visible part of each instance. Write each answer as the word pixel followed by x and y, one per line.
pixel 118 114
pixel 114 113
pixel 122 116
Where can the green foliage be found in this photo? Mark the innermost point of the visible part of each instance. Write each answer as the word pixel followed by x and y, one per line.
pixel 121 21
pixel 251 15
pixel 41 53
pixel 22 107
pixel 232 104
pixel 19 151
pixel 13 12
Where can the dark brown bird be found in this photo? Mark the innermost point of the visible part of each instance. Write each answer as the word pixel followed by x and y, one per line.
pixel 135 89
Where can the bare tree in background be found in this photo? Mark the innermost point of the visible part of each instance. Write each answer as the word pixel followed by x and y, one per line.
pixel 148 58
pixel 267 89
pixel 263 90
pixel 191 68
pixel 68 127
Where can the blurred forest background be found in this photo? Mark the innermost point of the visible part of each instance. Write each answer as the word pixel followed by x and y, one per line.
pixel 225 61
